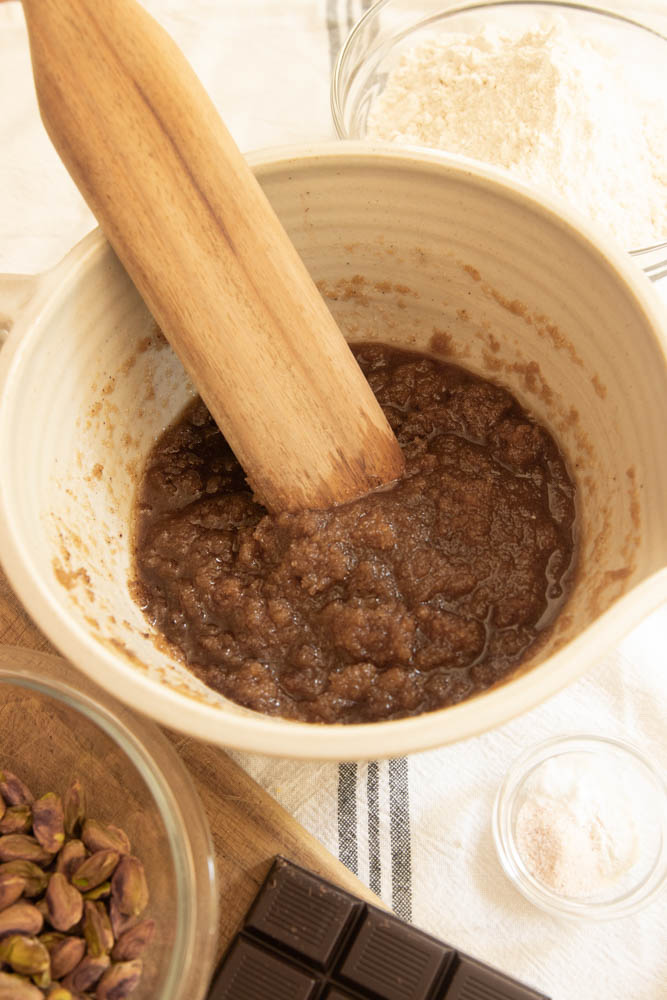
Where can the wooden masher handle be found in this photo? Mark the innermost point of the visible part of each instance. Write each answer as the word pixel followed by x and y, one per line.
pixel 184 213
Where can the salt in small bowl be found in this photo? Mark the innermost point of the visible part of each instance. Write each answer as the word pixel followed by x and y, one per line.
pixel 554 774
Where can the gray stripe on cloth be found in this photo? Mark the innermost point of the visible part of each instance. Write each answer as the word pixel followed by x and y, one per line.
pixel 347 816
pixel 399 831
pixel 373 798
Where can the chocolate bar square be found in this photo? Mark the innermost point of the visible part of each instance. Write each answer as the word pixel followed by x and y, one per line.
pixel 306 939
pixel 307 916
pixel 250 972
pixel 475 981
pixel 390 959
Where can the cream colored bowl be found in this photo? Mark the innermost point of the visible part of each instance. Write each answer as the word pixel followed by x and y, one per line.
pixel 411 248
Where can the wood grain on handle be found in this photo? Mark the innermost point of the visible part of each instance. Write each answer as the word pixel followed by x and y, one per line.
pixel 176 199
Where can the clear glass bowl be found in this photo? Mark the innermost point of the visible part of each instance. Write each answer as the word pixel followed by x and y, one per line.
pixel 634 786
pixel 391 27
pixel 55 725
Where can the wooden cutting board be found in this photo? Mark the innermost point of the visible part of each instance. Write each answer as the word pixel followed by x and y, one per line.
pixel 249 827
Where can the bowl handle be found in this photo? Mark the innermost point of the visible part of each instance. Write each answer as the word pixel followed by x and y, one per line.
pixel 16 291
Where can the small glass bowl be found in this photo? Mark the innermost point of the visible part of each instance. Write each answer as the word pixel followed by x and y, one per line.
pixel 391 27
pixel 56 725
pixel 637 786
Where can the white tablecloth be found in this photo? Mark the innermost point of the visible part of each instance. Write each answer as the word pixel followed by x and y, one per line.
pixel 416 830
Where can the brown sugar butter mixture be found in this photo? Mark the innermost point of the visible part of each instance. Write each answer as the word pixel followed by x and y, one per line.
pixel 404 601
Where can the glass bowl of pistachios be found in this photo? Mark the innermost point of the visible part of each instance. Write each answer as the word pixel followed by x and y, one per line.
pixel 107 876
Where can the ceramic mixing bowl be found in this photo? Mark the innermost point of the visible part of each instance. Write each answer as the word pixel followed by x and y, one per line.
pixel 411 248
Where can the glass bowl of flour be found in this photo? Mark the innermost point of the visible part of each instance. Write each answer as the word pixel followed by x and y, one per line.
pixel 571 100
pixel 580 827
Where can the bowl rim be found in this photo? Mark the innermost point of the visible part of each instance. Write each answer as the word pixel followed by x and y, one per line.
pixel 272 735
pixel 336 87
pixel 143 745
pixel 535 892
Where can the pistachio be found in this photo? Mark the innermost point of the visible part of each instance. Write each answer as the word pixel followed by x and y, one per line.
pixel 101 892
pixel 48 822
pixel 25 955
pixel 64 902
pixel 119 981
pixel 36 880
pixel 44 857
pixel 11 889
pixel 74 807
pixel 17 988
pixel 100 837
pixel 51 938
pixel 14 791
pixel 132 943
pixel 42 979
pixel 66 955
pixel 87 973
pixel 97 929
pixel 21 847
pixel 20 918
pixel 17 819
pixel 95 870
pixel 119 922
pixel 128 886
pixel 70 857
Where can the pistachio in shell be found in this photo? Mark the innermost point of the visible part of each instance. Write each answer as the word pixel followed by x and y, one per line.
pixel 132 943
pixel 128 886
pixel 88 972
pixel 95 870
pixel 97 929
pixel 17 988
pixel 105 837
pixel 119 980
pixel 66 955
pixel 64 902
pixel 22 847
pixel 17 819
pixel 48 822
pixel 36 880
pixel 11 889
pixel 20 918
pixel 70 858
pixel 26 955
pixel 14 791
pixel 74 808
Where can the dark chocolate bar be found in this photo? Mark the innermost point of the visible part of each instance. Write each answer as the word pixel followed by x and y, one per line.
pixel 306 939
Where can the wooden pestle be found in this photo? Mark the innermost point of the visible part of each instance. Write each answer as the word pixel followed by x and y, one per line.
pixel 184 213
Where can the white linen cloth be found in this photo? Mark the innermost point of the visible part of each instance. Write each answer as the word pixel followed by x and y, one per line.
pixel 416 830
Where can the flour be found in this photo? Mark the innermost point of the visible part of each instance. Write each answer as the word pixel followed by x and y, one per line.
pixel 555 110
pixel 576 831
